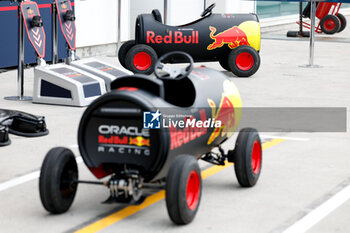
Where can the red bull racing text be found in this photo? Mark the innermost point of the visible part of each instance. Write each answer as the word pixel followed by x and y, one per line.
pixel 128 140
pixel 179 137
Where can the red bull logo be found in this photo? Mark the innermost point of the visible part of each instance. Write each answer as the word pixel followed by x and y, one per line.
pixel 30 13
pixel 139 141
pixel 233 37
pixel 176 37
pixel 226 112
pixel 117 140
pixel 64 6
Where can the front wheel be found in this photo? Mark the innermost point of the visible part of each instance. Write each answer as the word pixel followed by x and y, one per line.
pixel 140 59
pixel 248 157
pixel 183 189
pixel 243 61
pixel 57 182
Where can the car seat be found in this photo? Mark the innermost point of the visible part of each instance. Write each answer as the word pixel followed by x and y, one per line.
pixel 157 16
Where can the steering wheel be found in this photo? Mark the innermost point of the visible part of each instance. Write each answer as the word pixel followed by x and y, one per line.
pixel 173 73
pixel 208 10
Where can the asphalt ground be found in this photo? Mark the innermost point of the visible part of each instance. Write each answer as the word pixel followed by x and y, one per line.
pixel 304 185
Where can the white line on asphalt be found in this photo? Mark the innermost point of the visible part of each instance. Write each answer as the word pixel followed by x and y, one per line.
pixel 28 177
pixel 19 180
pixel 287 138
pixel 320 212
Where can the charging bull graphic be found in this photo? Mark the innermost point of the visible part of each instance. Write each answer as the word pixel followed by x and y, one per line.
pixel 228 111
pixel 233 37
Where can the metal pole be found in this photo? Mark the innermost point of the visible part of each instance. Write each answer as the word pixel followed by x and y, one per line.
pixel 20 67
pixel 205 4
pixel 312 36
pixel 119 23
pixel 312 33
pixel 280 9
pixel 255 6
pixel 165 11
pixel 300 18
pixel 54 34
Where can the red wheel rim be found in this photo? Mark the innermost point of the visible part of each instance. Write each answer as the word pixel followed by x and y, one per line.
pixel 329 24
pixel 193 190
pixel 256 157
pixel 142 61
pixel 244 61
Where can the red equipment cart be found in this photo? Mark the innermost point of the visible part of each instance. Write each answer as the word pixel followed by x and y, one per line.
pixel 331 21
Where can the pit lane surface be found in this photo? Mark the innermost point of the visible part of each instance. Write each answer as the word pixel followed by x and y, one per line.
pixel 299 174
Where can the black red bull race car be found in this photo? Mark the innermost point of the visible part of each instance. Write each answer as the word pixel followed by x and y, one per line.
pixel 231 39
pixel 148 133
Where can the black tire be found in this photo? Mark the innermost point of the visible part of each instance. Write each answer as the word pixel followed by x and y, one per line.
pixel 223 63
pixel 330 24
pixel 4 136
pixel 342 19
pixel 248 157
pixel 243 61
pixel 124 50
pixel 182 192
pixel 59 168
pixel 141 59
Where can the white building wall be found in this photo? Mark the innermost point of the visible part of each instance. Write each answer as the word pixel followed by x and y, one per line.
pixel 220 5
pixel 241 6
pixel 184 11
pixel 96 20
pixel 232 6
pixel 142 7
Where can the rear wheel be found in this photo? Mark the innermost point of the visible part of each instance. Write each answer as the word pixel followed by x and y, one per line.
pixel 248 157
pixel 124 50
pixel 57 184
pixel 141 59
pixel 342 22
pixel 183 189
pixel 243 61
pixel 330 24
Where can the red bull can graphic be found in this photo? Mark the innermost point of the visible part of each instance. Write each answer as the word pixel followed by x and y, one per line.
pixel 30 13
pixel 233 37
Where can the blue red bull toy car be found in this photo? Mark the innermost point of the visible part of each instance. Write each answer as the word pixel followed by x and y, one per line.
pixel 124 136
pixel 231 39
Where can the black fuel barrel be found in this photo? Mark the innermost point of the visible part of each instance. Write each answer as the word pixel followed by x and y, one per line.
pixel 206 39
pixel 114 136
